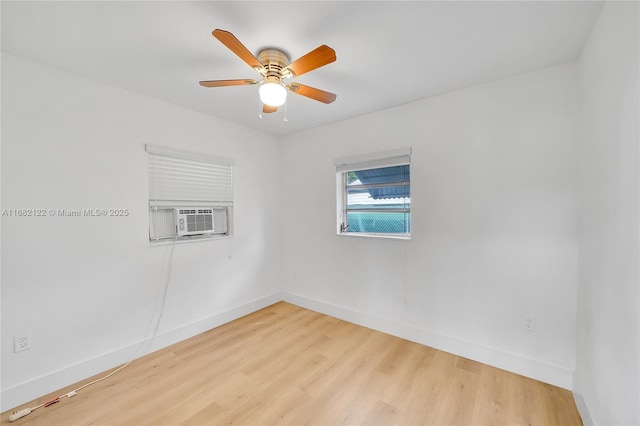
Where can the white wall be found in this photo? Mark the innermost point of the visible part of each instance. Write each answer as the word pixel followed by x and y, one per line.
pixel 608 340
pixel 87 289
pixel 494 224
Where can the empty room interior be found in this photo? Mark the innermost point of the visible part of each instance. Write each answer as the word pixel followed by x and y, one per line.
pixel 436 223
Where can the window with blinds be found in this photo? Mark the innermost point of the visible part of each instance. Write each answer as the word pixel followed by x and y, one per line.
pixel 190 194
pixel 374 194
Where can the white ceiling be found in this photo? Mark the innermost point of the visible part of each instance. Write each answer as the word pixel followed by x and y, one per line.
pixel 389 53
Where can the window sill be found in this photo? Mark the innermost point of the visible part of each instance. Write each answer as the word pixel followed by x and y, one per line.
pixel 365 235
pixel 198 239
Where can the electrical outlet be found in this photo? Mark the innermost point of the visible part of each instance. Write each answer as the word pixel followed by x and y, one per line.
pixel 21 343
pixel 530 324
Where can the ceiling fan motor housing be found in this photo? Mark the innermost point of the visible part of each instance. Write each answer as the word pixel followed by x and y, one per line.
pixel 274 61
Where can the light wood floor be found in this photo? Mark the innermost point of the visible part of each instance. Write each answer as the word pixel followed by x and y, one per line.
pixel 291 366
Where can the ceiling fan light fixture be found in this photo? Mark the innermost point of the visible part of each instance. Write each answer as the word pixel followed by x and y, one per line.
pixel 274 65
pixel 273 94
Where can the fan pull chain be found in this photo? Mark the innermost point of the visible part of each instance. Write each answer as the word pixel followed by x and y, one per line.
pixel 259 108
pixel 285 113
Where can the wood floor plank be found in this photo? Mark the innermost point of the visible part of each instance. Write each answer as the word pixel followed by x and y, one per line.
pixel 285 365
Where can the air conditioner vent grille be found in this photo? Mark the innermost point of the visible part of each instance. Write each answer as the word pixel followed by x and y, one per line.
pixel 193 221
pixel 195 211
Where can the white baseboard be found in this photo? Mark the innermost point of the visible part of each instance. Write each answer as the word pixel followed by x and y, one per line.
pixel 581 404
pixel 40 386
pixel 552 374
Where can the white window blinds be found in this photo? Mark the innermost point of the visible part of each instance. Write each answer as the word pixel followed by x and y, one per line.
pixel 397 157
pixel 181 177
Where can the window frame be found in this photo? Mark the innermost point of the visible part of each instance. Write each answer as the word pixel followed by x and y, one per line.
pixel 207 181
pixel 344 165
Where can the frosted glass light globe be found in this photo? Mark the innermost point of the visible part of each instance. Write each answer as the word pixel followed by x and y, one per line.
pixel 272 94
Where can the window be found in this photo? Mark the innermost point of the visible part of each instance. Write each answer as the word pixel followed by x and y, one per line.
pixel 190 195
pixel 374 196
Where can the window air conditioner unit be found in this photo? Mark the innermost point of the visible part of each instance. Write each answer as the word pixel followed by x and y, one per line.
pixel 194 221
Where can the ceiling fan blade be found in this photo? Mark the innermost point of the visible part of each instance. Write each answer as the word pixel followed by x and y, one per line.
pixel 317 58
pixel 268 108
pixel 238 48
pixel 312 92
pixel 222 83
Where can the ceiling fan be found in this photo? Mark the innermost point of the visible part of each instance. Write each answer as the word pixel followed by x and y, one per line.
pixel 274 66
